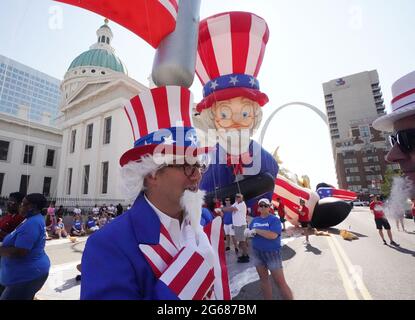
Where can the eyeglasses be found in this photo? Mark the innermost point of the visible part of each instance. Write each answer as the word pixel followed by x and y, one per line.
pixel 189 169
pixel 405 140
pixel 264 206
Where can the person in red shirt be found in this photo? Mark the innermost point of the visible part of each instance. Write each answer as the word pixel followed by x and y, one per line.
pixel 281 211
pixel 376 207
pixel 13 218
pixel 304 219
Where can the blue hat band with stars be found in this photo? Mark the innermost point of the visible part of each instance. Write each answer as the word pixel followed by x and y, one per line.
pixel 176 136
pixel 230 81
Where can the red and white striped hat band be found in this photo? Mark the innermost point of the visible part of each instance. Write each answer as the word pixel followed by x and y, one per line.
pixel 231 43
pixel 403 103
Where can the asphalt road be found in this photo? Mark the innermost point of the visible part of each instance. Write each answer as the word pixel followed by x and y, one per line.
pixel 331 268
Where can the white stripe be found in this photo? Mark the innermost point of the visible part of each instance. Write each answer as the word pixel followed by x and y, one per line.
pixel 149 110
pixel 258 28
pixel 195 282
pixel 403 101
pixel 214 239
pixel 220 32
pixel 170 274
pixel 168 246
pixel 153 256
pixel 133 118
pixel 169 7
pixel 201 71
pixel 173 101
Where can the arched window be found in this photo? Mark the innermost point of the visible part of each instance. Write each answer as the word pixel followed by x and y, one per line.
pixel 108 40
pixel 102 39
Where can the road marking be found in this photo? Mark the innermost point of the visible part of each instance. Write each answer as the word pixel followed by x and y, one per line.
pixel 347 284
pixel 352 272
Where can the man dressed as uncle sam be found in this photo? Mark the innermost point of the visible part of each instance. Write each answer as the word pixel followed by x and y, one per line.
pixel 231 47
pixel 157 250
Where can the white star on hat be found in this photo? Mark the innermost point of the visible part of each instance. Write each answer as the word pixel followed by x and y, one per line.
pixel 252 81
pixel 234 80
pixel 169 140
pixel 213 85
pixel 193 139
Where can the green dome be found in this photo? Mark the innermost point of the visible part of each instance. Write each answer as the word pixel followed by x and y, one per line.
pixel 98 58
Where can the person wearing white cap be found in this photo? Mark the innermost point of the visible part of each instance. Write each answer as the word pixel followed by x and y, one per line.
pixel 266 243
pixel 401 121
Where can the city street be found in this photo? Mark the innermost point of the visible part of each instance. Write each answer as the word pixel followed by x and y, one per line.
pixel 329 268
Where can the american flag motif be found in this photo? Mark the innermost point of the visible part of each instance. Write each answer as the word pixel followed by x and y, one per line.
pixel 325 192
pixel 290 194
pixel 185 272
pixel 231 43
pixel 152 20
pixel 159 108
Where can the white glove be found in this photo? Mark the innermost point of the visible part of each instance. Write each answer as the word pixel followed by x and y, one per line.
pixel 200 243
pixel 249 233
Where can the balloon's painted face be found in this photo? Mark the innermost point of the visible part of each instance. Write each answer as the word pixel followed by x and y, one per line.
pixel 234 114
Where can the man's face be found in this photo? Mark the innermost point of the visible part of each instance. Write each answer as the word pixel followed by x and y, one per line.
pixel 234 114
pixel 405 160
pixel 173 181
pixel 12 205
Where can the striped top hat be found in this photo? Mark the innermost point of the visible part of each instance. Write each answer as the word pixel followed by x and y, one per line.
pixel 160 120
pixel 229 56
pixel 403 103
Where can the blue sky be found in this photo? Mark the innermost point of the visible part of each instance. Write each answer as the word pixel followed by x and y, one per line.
pixel 311 42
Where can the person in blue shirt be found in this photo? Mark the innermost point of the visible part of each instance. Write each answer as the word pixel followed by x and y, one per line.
pixel 206 216
pixel 91 226
pixel 266 243
pixel 24 263
pixel 77 227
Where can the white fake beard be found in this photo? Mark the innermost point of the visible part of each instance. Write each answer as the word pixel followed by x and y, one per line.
pixel 192 202
pixel 233 141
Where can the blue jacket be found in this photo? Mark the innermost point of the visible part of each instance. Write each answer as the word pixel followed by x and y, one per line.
pixel 114 268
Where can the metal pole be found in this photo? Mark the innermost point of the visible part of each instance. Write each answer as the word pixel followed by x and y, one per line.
pixel 175 59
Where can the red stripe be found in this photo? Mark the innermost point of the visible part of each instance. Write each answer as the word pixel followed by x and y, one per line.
pixel 162 108
pixel 164 231
pixel 224 269
pixel 403 95
pixel 174 4
pixel 188 271
pixel 185 107
pixel 240 27
pixel 289 204
pixel 156 271
pixel 131 124
pixel 296 192
pixel 163 253
pixel 261 55
pixel 205 286
pixel 206 52
pixel 140 115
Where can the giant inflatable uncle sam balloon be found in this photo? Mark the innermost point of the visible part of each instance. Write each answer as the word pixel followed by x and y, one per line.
pixel 231 48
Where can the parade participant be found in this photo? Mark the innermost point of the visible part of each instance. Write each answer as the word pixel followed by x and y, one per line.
pixel 281 211
pixel 162 172
pixel 95 210
pixel 376 207
pixel 239 224
pixel 228 226
pixel 304 220
pixel 401 121
pixel 13 218
pixel 230 51
pixel 24 263
pixel 91 225
pixel 266 243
